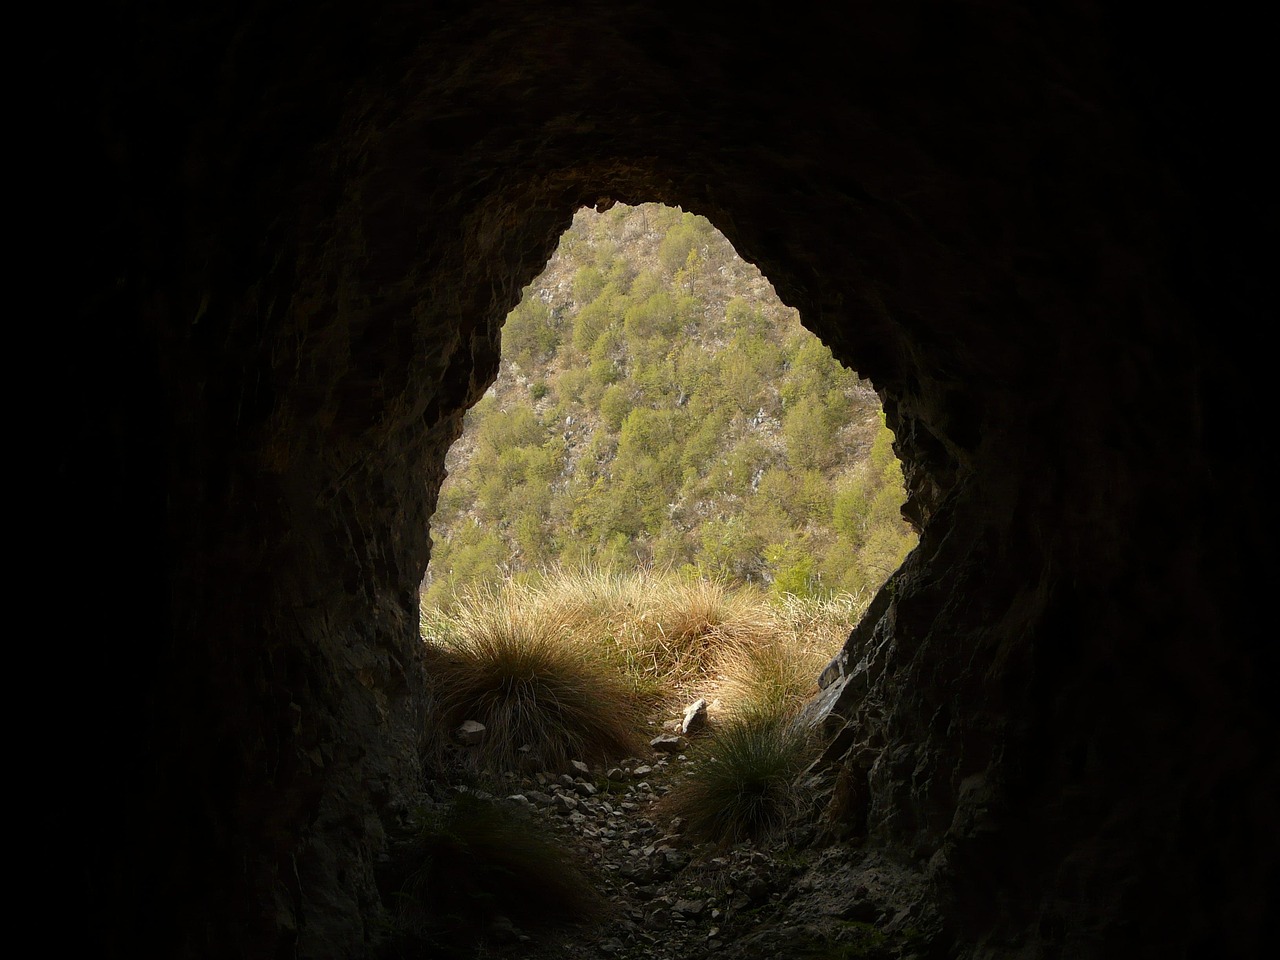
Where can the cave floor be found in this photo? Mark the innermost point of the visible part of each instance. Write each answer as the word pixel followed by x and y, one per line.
pixel 796 893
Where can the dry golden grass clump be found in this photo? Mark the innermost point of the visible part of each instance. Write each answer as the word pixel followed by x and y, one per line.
pixel 664 629
pixel 771 673
pixel 767 680
pixel 746 783
pixel 516 665
pixel 688 621
pixel 570 665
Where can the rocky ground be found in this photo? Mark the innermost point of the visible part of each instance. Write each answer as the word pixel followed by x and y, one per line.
pixel 794 895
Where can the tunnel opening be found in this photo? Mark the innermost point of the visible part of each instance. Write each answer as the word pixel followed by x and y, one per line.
pixel 660 523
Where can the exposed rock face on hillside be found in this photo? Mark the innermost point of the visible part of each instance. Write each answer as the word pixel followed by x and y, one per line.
pixel 296 238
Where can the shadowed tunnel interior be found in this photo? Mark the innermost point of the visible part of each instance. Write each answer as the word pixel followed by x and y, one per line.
pixel 1030 229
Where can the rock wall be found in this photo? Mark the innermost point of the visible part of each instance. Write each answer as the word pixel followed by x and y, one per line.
pixel 298 236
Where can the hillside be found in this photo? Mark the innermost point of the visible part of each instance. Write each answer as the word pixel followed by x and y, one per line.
pixel 658 405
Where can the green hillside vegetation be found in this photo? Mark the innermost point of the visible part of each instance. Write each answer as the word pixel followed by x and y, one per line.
pixel 658 406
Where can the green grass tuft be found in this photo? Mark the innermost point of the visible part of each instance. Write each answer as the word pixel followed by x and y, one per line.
pixel 745 788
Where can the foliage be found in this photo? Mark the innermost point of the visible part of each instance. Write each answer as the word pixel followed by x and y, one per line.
pixel 650 631
pixel 658 404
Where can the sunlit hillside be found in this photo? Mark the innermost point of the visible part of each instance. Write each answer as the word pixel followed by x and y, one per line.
pixel 659 406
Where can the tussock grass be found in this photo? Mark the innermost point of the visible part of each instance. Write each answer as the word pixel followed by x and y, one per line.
pixel 745 787
pixel 516 665
pixel 771 679
pixel 825 622
pixel 470 862
pixel 571 662
pixel 771 674
pixel 688 621
pixel 665 628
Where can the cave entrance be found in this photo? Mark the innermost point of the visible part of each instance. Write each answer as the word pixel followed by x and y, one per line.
pixel 662 425
pixel 659 525
pixel 670 454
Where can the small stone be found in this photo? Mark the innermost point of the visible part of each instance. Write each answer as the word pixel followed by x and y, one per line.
pixel 695 716
pixel 565 803
pixel 675 859
pixel 615 773
pixel 642 771
pixel 667 743
pixel 470 732
pixel 689 908
pixel 581 767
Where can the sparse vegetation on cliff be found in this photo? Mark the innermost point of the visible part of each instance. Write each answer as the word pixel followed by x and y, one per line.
pixel 659 406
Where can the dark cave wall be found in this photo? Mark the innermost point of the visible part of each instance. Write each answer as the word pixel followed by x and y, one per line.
pixel 307 236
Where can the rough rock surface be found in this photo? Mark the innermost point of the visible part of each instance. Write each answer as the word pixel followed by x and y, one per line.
pixel 289 243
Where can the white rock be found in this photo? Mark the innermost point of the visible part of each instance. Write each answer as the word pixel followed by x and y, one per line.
pixel 470 732
pixel 695 716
